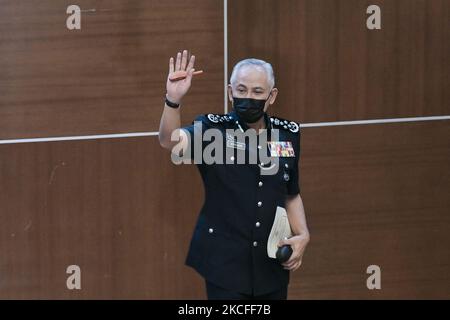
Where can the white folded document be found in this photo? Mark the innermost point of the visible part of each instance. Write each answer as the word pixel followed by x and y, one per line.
pixel 281 229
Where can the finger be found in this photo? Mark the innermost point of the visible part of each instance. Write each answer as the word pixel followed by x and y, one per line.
pixel 171 66
pixel 289 241
pixel 282 243
pixel 292 259
pixel 294 266
pixel 184 60
pixel 288 268
pixel 290 265
pixel 189 76
pixel 178 64
pixel 191 63
pixel 285 241
pixel 297 266
pixel 290 262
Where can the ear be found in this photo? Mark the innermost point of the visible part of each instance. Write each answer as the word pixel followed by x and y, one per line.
pixel 273 97
pixel 230 93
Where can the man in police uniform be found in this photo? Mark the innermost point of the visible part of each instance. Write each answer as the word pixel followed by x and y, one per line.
pixel 229 244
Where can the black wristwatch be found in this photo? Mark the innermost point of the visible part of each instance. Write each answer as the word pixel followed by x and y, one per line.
pixel 172 104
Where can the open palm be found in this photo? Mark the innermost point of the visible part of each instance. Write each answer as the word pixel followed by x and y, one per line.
pixel 177 89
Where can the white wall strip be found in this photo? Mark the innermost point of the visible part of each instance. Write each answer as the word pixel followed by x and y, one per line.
pixel 375 121
pixel 93 137
pixel 225 53
pixel 148 134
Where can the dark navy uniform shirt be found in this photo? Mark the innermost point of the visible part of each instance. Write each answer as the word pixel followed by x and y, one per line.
pixel 229 244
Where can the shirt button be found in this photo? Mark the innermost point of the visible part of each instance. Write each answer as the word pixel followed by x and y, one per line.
pixel 260 184
pixel 258 224
pixel 259 204
pixel 211 230
pixel 255 244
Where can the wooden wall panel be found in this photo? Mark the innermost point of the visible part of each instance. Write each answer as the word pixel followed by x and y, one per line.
pixel 373 195
pixel 104 205
pixel 108 77
pixel 117 208
pixel 330 67
pixel 376 195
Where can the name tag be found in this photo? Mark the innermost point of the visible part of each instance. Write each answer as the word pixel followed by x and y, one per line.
pixel 281 149
pixel 233 143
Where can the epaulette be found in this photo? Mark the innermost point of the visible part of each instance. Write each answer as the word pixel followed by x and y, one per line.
pixel 216 118
pixel 279 123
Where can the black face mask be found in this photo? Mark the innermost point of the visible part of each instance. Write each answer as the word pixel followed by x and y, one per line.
pixel 249 110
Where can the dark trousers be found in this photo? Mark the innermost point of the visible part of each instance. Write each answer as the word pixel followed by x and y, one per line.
pixel 217 293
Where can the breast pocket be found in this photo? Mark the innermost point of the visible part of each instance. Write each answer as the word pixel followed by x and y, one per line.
pixel 285 170
pixel 281 177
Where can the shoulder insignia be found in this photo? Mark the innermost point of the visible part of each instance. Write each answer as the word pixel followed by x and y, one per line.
pixel 292 126
pixel 216 118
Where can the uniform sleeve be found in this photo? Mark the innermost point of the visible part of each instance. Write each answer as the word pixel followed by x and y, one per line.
pixel 293 187
pixel 195 132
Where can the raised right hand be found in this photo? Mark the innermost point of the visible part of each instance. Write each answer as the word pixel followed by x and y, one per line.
pixel 177 89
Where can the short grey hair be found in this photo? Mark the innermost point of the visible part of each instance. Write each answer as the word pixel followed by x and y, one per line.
pixel 254 62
